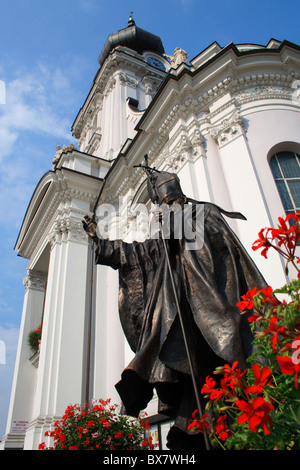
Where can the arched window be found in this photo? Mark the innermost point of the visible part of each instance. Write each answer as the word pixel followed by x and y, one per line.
pixel 285 167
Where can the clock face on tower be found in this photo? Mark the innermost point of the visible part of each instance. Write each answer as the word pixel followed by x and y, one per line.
pixel 156 63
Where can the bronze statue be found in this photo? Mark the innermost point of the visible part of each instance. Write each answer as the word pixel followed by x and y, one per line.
pixel 209 282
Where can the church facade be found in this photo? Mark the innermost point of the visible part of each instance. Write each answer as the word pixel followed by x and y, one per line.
pixel 227 123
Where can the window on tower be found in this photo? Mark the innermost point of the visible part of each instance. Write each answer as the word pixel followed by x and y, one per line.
pixel 285 167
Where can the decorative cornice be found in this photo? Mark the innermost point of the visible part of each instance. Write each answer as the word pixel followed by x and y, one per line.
pixel 244 88
pixel 35 280
pixel 262 93
pixel 127 80
pixel 94 142
pixel 109 86
pixel 61 192
pixel 228 129
pixel 67 229
pixel 186 149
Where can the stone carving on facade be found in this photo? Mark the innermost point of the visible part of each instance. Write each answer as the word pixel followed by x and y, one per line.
pixel 263 92
pixel 198 144
pixel 179 57
pixel 181 153
pixel 186 149
pixel 110 86
pixel 65 230
pixel 94 141
pixel 60 150
pixel 150 85
pixel 127 80
pixel 228 129
pixel 35 280
pixel 88 121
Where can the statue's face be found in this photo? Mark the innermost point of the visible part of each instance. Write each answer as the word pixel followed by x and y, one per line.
pixel 177 201
pixel 180 200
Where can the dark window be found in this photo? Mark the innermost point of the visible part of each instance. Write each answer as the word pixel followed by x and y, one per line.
pixel 285 167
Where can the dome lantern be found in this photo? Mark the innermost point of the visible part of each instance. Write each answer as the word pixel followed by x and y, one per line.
pixel 134 38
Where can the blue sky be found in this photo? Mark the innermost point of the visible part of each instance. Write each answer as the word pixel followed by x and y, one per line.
pixel 48 59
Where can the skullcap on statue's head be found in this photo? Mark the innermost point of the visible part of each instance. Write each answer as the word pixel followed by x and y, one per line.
pixel 164 188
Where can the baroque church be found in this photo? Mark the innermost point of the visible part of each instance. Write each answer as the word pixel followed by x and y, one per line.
pixel 226 122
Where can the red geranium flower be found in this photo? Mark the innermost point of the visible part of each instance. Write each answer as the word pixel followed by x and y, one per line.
pixel 200 424
pixel 233 375
pixel 269 296
pixel 209 388
pixel 254 318
pixel 288 366
pixel 222 429
pixel 275 330
pixel 248 301
pixel 261 378
pixel 256 411
pixel 262 242
pixel 287 234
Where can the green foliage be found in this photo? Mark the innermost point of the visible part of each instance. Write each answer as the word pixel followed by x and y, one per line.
pixel 34 339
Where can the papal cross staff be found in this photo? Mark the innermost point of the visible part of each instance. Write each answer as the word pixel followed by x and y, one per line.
pixel 149 171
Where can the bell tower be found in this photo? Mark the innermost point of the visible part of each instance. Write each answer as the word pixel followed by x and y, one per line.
pixel 132 66
pixel 64 292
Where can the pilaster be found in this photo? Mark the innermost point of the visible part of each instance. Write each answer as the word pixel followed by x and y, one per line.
pixel 24 381
pixel 244 186
pixel 110 342
pixel 60 372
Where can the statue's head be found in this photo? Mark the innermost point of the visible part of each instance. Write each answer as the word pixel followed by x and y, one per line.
pixel 164 188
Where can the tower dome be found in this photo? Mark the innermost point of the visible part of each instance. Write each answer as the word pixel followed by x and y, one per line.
pixel 134 38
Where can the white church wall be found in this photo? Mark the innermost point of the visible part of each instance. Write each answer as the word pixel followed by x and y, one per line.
pixel 24 381
pixel 109 340
pixel 59 381
pixel 269 128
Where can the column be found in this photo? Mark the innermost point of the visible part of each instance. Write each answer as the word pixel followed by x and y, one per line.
pixel 245 190
pixel 60 372
pixel 148 83
pixel 110 342
pixel 24 381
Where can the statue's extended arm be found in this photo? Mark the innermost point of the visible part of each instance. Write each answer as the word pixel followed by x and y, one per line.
pixel 90 226
pixel 113 253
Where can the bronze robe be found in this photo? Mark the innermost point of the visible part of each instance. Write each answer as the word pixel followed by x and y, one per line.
pixel 209 282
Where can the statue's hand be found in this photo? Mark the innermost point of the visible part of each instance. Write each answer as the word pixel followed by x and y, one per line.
pixel 89 226
pixel 158 215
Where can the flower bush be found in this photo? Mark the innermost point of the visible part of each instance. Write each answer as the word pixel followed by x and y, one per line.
pixel 259 408
pixel 34 338
pixel 98 426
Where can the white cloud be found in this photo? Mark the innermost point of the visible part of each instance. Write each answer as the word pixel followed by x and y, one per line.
pixel 38 114
pixel 8 138
pixel 88 6
pixel 186 4
pixel 33 104
pixel 9 335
